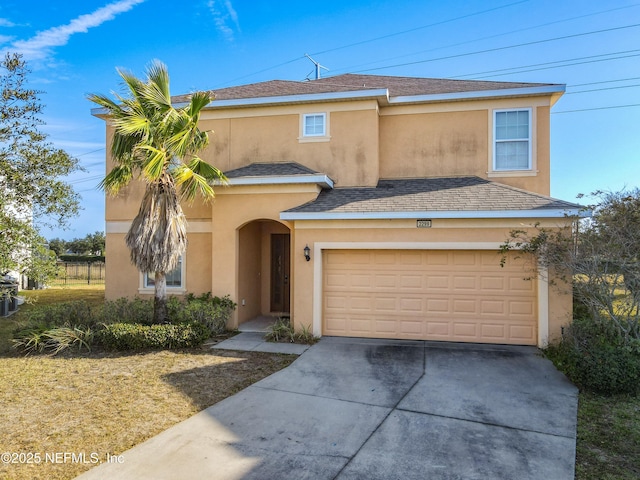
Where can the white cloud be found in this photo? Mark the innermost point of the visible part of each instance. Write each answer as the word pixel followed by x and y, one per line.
pixel 5 39
pixel 40 46
pixel 223 15
pixel 6 23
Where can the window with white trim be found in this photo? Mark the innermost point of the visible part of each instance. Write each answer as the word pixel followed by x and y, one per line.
pixel 512 139
pixel 314 125
pixel 174 277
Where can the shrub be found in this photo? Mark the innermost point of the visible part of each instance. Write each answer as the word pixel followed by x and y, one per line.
pixel 53 340
pixel 213 312
pixel 134 336
pixel 66 313
pixel 123 324
pixel 596 358
pixel 124 310
pixel 207 314
pixel 283 331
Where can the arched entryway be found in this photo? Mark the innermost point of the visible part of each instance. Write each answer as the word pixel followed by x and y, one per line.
pixel 264 270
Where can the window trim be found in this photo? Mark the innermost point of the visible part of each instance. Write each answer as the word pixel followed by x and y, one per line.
pixel 314 137
pixel 494 141
pixel 144 288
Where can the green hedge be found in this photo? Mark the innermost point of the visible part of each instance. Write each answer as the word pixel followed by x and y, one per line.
pixel 122 324
pixel 81 258
pixel 597 358
pixel 135 336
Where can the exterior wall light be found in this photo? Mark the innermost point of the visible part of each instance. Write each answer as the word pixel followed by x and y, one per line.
pixel 307 252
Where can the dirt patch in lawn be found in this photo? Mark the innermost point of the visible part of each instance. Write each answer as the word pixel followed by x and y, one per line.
pixel 102 404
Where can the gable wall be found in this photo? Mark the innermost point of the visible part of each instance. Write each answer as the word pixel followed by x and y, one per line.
pixel 456 138
pixel 271 134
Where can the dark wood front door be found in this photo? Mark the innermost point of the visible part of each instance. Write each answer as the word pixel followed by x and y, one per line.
pixel 280 291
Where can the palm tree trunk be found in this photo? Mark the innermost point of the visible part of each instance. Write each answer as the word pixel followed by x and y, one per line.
pixel 160 314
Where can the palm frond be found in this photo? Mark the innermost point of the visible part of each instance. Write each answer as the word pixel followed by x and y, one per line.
pixel 198 101
pixel 151 138
pixel 155 164
pixel 157 87
pixel 117 178
pixel 196 178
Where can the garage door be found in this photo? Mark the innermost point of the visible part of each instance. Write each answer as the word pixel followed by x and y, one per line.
pixel 461 296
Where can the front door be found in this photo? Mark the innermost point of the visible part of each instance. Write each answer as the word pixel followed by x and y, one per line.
pixel 280 292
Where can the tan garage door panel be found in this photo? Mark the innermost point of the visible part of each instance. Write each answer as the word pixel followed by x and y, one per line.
pixel 428 295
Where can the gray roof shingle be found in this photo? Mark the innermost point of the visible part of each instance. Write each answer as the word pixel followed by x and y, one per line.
pixel 397 86
pixel 282 169
pixel 453 194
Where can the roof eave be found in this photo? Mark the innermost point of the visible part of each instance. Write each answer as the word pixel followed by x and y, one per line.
pixel 380 94
pixel 321 180
pixel 455 214
pixel 554 90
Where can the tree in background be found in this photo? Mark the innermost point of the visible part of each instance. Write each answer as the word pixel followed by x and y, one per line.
pixel 91 244
pixel 31 189
pixel 599 258
pixel 159 143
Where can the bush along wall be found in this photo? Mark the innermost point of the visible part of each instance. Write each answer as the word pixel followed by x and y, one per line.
pixel 122 324
pixel 597 358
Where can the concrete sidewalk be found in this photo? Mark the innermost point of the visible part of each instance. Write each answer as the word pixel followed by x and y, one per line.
pixel 353 409
pixel 255 342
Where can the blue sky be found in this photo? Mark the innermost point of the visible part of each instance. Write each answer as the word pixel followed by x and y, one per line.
pixel 593 47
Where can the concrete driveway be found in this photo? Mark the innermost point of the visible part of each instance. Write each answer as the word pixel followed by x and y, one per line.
pixel 367 409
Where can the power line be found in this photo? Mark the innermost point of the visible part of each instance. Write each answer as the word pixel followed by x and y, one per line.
pixel 88 179
pixel 611 107
pixel 604 81
pixel 496 49
pixel 417 28
pixel 549 65
pixel 603 89
pixel 518 31
pixel 87 153
pixel 371 40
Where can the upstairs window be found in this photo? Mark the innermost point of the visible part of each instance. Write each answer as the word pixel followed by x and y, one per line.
pixel 512 140
pixel 314 125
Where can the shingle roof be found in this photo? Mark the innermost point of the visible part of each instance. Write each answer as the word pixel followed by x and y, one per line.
pixel 453 194
pixel 397 86
pixel 270 170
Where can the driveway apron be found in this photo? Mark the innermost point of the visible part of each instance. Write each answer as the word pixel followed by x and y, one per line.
pixel 378 409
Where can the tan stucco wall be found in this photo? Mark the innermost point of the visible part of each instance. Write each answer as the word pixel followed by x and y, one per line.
pixel 367 142
pixel 349 156
pixel 456 138
pixel 560 307
pixel 121 277
pixel 254 264
pixel 234 210
pixel 405 231
pixel 433 144
pixel 124 280
pixel 249 272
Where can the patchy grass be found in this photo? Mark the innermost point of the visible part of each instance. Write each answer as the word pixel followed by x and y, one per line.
pixel 93 295
pixel 608 445
pixel 105 403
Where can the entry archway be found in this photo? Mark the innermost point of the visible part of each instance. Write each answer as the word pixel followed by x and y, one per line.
pixel 264 269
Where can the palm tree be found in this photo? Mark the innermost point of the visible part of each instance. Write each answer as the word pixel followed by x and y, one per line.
pixel 159 143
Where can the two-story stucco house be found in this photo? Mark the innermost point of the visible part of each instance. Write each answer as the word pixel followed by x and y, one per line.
pixel 370 206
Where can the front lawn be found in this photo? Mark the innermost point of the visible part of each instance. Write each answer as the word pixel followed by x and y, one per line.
pixel 104 403
pixel 608 446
